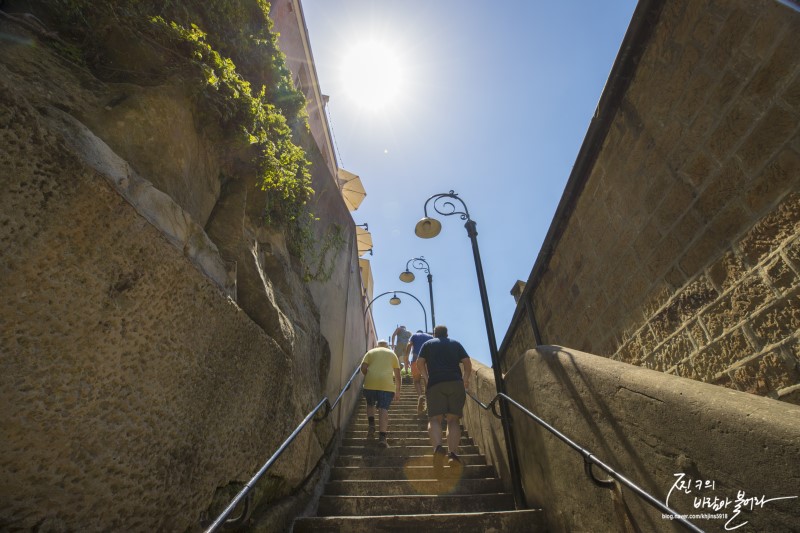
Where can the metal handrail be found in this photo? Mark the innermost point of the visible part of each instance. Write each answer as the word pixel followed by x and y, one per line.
pixel 589 460
pixel 324 403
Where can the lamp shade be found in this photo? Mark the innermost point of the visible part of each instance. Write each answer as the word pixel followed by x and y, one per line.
pixel 407 276
pixel 394 300
pixel 428 228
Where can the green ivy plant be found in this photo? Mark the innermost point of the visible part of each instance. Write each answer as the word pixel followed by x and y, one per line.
pixel 208 40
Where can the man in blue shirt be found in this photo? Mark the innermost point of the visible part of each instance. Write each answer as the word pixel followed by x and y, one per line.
pixel 439 360
pixel 414 347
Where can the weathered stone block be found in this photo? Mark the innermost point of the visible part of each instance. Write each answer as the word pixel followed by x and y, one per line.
pixel 700 254
pixel 771 131
pixel 675 277
pixel 792 252
pixel 767 235
pixel 734 127
pixel 780 320
pixel 643 244
pixel 676 202
pixel 722 93
pixel 665 253
pixel 782 277
pixel 751 294
pixel 720 317
pixel 698 333
pixel 697 168
pixel 729 39
pixel 721 354
pixel 628 353
pixel 766 374
pixel 674 350
pixel 659 295
pixel 792 93
pixel 721 190
pixel 682 153
pixel 773 74
pixel 694 297
pixel 773 181
pixel 727 271
pixel 731 221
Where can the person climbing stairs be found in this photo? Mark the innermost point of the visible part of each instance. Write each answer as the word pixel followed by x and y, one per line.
pixel 396 489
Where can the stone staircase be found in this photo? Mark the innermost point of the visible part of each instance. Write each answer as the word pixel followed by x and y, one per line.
pixel 395 490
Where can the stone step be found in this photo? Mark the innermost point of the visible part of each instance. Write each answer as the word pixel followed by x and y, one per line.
pixel 395 415
pixel 526 520
pixel 410 425
pixel 397 461
pixel 394 408
pixel 401 451
pixel 396 440
pixel 452 484
pixel 397 433
pixel 416 504
pixel 408 472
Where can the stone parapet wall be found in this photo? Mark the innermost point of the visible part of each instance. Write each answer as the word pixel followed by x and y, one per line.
pixel 678 246
pixel 650 428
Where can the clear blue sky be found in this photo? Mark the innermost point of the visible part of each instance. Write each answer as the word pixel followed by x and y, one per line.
pixel 495 100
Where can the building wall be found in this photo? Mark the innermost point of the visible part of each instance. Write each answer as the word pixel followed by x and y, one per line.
pixel 294 42
pixel 338 298
pixel 677 244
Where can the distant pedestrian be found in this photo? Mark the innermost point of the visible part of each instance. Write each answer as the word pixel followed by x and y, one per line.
pixel 439 360
pixel 381 385
pixel 400 341
pixel 414 347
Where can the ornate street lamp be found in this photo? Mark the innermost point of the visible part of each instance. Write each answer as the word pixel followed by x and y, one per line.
pixel 419 263
pixel 395 300
pixel 428 228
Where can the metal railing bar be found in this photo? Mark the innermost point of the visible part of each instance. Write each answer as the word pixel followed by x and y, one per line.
pixel 222 518
pixel 346 387
pixel 590 459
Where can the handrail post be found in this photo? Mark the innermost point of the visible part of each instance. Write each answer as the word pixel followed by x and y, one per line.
pixel 505 414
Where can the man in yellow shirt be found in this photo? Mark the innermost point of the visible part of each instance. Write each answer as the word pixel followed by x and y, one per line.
pixel 381 369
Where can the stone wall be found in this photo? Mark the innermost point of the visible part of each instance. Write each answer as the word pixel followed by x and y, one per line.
pixel 677 244
pixel 157 341
pixel 649 427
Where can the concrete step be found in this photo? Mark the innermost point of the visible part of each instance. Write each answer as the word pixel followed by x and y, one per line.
pixel 409 472
pixel 512 521
pixel 395 415
pixel 402 442
pixel 452 484
pixel 401 451
pixel 399 461
pixel 416 504
pixel 406 425
pixel 397 433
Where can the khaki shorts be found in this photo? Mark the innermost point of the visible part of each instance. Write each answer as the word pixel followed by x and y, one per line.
pixel 446 398
pixel 400 350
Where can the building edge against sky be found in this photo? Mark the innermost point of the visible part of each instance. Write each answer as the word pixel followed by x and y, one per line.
pixel 675 244
pixel 682 258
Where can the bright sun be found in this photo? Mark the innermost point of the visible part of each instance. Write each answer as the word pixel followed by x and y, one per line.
pixel 373 75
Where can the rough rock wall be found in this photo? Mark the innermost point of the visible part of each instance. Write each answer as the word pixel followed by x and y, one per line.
pixel 681 252
pixel 133 387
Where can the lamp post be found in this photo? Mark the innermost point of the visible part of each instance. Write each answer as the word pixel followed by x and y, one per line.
pixel 428 228
pixel 394 300
pixel 419 263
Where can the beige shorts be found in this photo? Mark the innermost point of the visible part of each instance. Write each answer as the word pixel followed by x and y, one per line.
pixel 446 398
